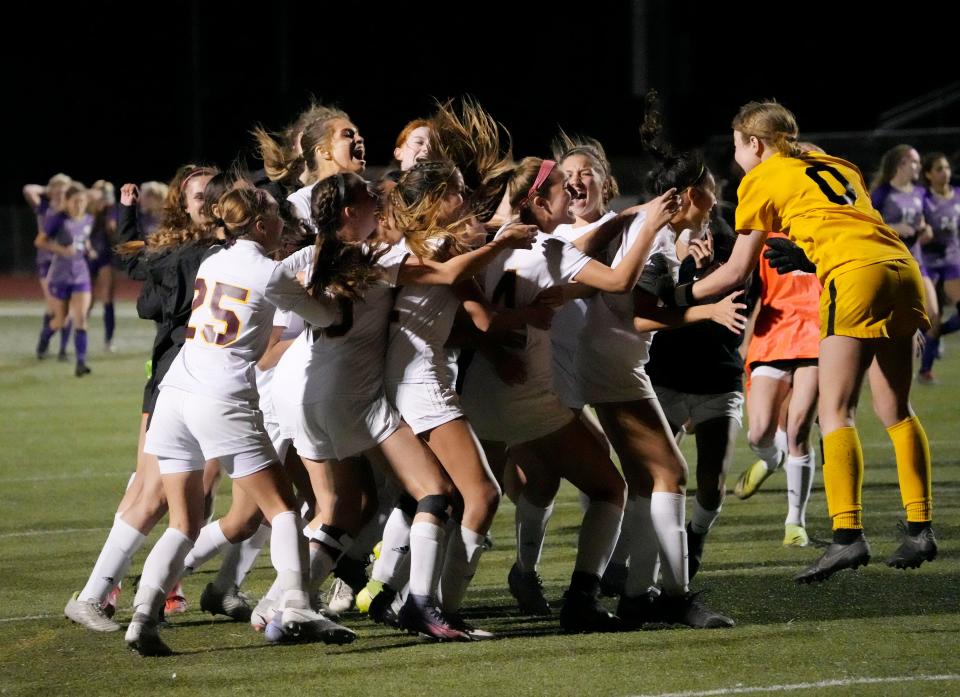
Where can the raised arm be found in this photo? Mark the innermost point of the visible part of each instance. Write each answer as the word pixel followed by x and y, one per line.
pixel 462 266
pixel 287 293
pixel 625 276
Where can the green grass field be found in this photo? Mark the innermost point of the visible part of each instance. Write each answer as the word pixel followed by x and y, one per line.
pixel 69 445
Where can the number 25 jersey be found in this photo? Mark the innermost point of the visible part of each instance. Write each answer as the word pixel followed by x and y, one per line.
pixel 236 294
pixel 822 203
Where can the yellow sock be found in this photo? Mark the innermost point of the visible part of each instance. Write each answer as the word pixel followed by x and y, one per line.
pixel 843 477
pixel 913 468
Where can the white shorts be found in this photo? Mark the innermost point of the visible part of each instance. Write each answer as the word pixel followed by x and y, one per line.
pixel 424 405
pixel 598 388
pixel 772 372
pixel 514 416
pixel 340 428
pixel 679 407
pixel 188 429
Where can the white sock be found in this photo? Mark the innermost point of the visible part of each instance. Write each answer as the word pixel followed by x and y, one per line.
pixel 622 551
pixel 598 536
pixel 770 454
pixel 122 543
pixel 780 440
pixel 395 549
pixel 426 544
pixel 209 544
pixel 239 558
pixel 249 551
pixel 288 554
pixel 163 567
pixel 702 520
pixel 531 523
pixel 800 471
pixel 644 548
pixel 464 548
pixel 667 511
pixel 274 591
pixel 323 557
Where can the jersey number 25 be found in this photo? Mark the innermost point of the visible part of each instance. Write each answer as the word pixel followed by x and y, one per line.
pixel 230 329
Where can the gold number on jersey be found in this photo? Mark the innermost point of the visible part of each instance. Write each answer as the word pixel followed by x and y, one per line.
pixel 231 324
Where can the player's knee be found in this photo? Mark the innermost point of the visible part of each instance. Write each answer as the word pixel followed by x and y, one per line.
pixel 437 505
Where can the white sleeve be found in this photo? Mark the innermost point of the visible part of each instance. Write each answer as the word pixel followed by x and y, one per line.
pixel 284 291
pixel 281 318
pixel 299 260
pixel 392 261
pixel 563 259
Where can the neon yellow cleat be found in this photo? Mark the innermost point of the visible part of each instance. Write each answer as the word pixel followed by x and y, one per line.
pixel 367 594
pixel 755 475
pixel 795 536
pixel 376 550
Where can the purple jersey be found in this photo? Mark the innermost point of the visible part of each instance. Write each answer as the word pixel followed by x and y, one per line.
pixel 901 207
pixel 72 233
pixel 943 215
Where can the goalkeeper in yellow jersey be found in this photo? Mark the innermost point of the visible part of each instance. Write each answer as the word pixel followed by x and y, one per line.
pixel 870 308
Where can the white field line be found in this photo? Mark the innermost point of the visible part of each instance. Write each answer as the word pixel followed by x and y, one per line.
pixel 61 531
pixel 845 682
pixel 59 477
pixel 27 618
pixel 29 309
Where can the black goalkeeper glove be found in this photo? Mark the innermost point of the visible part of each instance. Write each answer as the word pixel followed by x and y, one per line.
pixel 786 257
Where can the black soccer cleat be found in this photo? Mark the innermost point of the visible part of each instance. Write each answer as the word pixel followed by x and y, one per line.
pixel 636 611
pixel 527 588
pixel 835 558
pixel 582 613
pixel 688 609
pixel 914 549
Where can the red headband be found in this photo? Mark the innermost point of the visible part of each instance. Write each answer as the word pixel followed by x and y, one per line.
pixel 546 167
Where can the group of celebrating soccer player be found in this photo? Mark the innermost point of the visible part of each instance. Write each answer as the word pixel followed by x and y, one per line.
pixel 378 362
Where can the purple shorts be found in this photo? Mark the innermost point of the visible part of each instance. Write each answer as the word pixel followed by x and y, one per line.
pixel 942 272
pixel 63 291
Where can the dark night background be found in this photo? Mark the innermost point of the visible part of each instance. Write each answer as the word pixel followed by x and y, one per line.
pixel 129 91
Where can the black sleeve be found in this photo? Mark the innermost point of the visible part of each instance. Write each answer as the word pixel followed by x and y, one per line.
pixel 128 224
pixel 150 302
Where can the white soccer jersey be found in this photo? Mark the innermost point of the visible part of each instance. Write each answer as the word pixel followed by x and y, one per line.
pixel 301 203
pixel 346 358
pixel 569 320
pixel 567 324
pixel 293 326
pixel 236 293
pixel 611 354
pixel 514 280
pixel 419 327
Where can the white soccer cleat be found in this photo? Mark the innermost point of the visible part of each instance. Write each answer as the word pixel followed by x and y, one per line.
pixel 90 614
pixel 262 615
pixel 341 597
pixel 142 636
